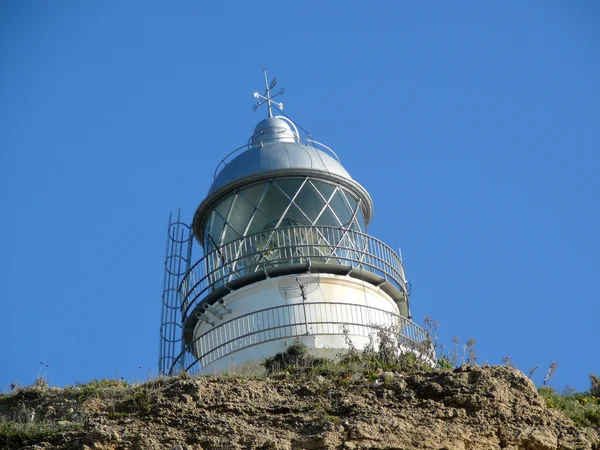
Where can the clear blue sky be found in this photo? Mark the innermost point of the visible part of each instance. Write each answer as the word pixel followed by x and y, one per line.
pixel 473 125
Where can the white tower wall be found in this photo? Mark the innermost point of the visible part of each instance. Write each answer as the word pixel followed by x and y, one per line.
pixel 263 322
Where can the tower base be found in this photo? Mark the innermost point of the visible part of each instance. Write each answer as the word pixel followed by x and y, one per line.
pixel 325 313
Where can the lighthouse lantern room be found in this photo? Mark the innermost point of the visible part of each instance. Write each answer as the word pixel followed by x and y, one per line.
pixel 285 256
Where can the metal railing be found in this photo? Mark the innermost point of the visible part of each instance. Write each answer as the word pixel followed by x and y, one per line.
pixel 301 319
pixel 284 246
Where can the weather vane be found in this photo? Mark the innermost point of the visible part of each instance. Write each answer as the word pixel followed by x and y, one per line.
pixel 267 97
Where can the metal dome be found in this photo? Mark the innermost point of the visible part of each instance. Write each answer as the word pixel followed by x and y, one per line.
pixel 276 152
pixel 273 129
pixel 276 147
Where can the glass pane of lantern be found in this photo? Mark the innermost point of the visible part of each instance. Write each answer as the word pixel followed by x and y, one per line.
pixel 327 219
pixel 259 222
pixel 224 205
pixel 274 203
pixel 216 227
pixel 349 199
pixel 240 214
pixel 294 217
pixel 230 234
pixel 253 193
pixel 360 218
pixel 310 202
pixel 289 185
pixel 340 207
pixel 325 189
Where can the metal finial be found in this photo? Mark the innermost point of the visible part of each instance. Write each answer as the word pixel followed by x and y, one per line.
pixel 267 97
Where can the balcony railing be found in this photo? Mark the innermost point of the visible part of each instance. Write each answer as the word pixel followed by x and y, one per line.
pixel 296 320
pixel 281 247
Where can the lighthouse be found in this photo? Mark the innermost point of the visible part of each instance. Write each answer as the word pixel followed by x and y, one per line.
pixel 285 256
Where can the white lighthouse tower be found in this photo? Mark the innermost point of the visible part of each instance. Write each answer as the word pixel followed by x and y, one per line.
pixel 286 256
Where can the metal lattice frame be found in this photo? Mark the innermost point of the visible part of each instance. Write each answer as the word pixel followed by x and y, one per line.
pixel 337 207
pixel 178 257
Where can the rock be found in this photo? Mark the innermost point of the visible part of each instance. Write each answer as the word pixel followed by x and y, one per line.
pixel 483 408
pixel 536 439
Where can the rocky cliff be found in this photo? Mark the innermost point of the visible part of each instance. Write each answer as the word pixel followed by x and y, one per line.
pixel 470 407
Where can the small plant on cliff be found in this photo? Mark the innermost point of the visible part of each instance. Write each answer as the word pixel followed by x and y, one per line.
pixel 444 362
pixel 15 433
pixel 295 359
pixel 384 352
pixel 581 407
pixel 142 400
pixel 23 419
pixel 97 388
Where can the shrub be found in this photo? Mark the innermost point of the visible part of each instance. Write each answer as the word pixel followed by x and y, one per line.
pixel 141 400
pixel 16 433
pixel 444 362
pixel 385 352
pixel 294 359
pixel 97 388
pixel 581 407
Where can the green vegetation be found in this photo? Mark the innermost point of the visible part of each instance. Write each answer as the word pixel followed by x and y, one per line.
pixel 41 413
pixel 382 354
pixel 15 433
pixel 97 388
pixel 444 362
pixel 141 399
pixel 295 359
pixel 20 422
pixel 581 407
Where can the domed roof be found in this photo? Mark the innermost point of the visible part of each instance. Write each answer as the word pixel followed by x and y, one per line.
pixel 276 152
pixel 276 147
